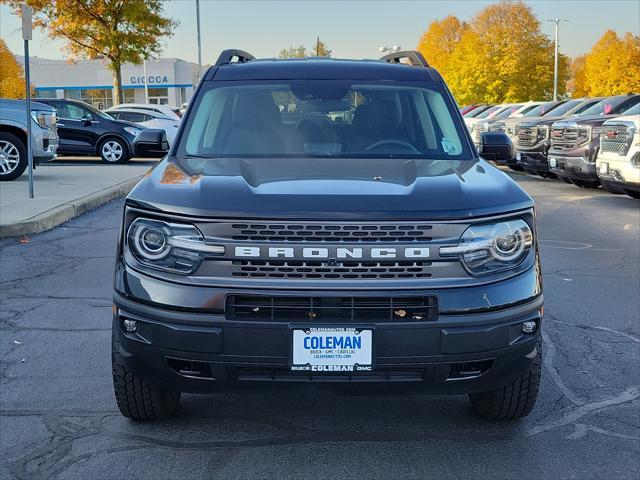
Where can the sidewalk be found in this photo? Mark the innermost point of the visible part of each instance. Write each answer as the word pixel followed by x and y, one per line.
pixel 61 193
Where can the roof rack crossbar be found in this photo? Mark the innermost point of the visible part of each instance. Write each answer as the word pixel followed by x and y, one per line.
pixel 412 57
pixel 234 56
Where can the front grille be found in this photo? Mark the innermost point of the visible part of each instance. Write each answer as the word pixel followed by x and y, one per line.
pixel 300 232
pixel 527 136
pixel 616 139
pixel 331 309
pixel 564 138
pixel 331 269
pixel 266 374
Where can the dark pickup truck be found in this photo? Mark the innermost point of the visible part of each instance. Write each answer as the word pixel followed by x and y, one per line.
pixel 324 221
pixel 575 142
pixel 532 136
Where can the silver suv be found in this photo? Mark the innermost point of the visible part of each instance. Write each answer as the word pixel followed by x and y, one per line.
pixel 13 136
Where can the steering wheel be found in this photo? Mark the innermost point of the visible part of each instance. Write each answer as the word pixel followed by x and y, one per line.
pixel 390 141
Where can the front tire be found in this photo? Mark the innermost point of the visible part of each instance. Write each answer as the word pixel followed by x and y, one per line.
pixel 136 398
pixel 585 183
pixel 513 401
pixel 611 188
pixel 13 157
pixel 114 150
pixel 633 194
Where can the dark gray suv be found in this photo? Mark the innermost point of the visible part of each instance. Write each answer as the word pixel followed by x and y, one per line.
pixel 326 221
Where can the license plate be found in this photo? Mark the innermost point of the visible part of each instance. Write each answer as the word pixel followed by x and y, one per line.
pixel 604 168
pixel 518 156
pixel 332 349
pixel 553 162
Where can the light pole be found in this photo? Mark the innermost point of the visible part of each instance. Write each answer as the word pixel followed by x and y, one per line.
pixel 199 42
pixel 555 57
pixel 27 35
pixel 146 80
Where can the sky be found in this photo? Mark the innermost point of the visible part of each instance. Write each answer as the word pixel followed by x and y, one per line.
pixel 351 28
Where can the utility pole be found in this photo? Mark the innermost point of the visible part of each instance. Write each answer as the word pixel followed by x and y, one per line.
pixel 27 34
pixel 146 80
pixel 199 42
pixel 555 57
pixel 317 46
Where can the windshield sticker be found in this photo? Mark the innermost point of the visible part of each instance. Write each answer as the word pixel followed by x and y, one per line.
pixel 449 147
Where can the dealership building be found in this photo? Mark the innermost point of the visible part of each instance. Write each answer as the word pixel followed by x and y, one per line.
pixel 170 81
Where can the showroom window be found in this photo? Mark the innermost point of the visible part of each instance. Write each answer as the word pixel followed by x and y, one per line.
pixel 159 96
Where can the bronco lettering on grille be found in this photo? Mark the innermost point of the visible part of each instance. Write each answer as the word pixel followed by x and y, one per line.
pixel 332 252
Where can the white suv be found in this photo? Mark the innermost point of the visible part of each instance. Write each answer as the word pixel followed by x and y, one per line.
pixel 618 162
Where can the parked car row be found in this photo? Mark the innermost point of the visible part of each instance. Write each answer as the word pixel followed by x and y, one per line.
pixel 588 142
pixel 70 127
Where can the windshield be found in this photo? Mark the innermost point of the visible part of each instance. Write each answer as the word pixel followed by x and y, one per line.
pixel 489 111
pixel 578 112
pixel 541 109
pixel 476 111
pixel 635 110
pixel 563 108
pixel 605 107
pixel 96 112
pixel 328 118
pixel 507 112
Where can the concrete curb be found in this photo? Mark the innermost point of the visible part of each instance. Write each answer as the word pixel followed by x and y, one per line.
pixel 65 212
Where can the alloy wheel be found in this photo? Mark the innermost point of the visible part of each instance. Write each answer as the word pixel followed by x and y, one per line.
pixel 112 151
pixel 9 157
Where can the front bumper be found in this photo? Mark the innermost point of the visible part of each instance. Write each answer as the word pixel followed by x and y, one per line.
pixel 534 161
pixel 45 147
pixel 578 168
pixel 461 352
pixel 619 171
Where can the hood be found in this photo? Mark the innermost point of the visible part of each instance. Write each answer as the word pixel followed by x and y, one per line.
pixel 329 189
pixel 513 121
pixel 624 119
pixel 8 102
pixel 595 120
pixel 546 120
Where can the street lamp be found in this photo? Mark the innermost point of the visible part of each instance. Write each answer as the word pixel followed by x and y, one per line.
pixel 555 57
pixel 395 48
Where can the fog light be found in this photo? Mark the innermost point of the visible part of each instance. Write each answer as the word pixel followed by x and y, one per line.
pixel 529 326
pixel 131 326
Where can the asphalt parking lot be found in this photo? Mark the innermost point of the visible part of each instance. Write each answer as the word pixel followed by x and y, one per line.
pixel 59 418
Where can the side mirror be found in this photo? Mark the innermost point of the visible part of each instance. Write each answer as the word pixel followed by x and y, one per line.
pixel 87 119
pixel 496 146
pixel 151 143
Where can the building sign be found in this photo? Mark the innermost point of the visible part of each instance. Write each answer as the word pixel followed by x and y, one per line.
pixel 151 80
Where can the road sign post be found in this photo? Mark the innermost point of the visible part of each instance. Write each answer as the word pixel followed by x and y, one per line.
pixel 27 34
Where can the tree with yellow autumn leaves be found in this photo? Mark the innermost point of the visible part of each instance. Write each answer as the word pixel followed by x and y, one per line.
pixel 612 67
pixel 501 55
pixel 11 74
pixel 119 31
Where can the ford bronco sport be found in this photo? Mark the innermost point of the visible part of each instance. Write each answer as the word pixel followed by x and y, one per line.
pixel 326 221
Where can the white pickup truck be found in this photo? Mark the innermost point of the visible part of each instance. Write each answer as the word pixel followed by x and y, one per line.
pixel 618 162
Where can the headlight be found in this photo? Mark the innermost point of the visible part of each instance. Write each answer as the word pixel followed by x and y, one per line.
pixel 498 127
pixel 584 134
pixel 132 131
pixel 543 132
pixel 176 248
pixel 486 249
pixel 483 126
pixel 40 118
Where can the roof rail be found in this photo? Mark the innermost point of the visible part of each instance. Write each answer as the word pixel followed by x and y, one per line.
pixel 234 56
pixel 412 57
